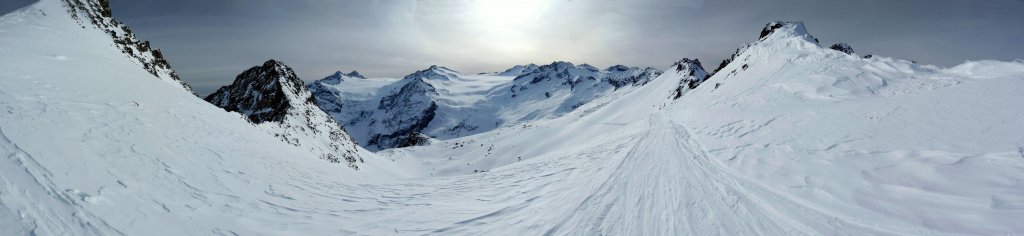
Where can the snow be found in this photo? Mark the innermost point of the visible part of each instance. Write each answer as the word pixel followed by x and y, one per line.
pixel 469 104
pixel 802 140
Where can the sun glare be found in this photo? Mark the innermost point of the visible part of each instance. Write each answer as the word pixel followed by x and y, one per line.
pixel 507 24
pixel 510 13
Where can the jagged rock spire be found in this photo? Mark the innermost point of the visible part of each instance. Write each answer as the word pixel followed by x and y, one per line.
pixel 261 93
pixel 274 97
pixel 693 75
pixel 842 47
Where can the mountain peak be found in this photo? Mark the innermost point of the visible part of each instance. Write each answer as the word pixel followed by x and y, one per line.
pixel 690 67
pixel 339 76
pixel 520 70
pixel 434 72
pixel 588 67
pixel 617 68
pixel 775 30
pixel 274 64
pixel 261 93
pixel 562 63
pixel 693 75
pixel 273 96
pixel 787 29
pixel 842 47
pixel 355 74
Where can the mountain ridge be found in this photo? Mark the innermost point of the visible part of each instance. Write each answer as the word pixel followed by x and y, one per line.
pixel 273 97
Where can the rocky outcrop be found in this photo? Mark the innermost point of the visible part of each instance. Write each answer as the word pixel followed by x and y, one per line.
pixel 842 47
pixel 796 28
pixel 261 93
pixel 96 13
pixel 692 73
pixel 274 98
pixel 406 113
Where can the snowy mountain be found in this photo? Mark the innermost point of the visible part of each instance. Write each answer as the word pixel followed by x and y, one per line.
pixel 96 13
pixel 789 138
pixel 520 70
pixel 273 97
pixel 441 103
pixel 800 139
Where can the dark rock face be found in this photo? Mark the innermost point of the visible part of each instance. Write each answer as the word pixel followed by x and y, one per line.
pixel 410 134
pixel 770 28
pixel 396 119
pixel 273 96
pixel 259 93
pixel 693 75
pixel 97 13
pixel 520 70
pixel 842 47
pixel 730 59
pixel 407 112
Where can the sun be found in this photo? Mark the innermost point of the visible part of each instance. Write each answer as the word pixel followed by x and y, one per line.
pixel 508 27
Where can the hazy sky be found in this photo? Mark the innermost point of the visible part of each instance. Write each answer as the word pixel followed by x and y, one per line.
pixel 209 41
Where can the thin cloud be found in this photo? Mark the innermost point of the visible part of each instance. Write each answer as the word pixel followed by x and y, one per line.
pixel 386 38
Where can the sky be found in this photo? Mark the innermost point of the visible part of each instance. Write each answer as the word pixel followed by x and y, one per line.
pixel 208 42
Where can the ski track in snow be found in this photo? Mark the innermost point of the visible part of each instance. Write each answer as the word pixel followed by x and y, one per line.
pixel 39 204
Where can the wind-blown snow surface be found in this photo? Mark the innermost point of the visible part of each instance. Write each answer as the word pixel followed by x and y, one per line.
pixel 806 140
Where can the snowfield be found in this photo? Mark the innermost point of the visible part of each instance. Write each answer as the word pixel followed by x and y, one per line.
pixel 791 138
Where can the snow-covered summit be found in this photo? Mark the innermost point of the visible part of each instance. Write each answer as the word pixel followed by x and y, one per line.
pixel 519 70
pixel 773 31
pixel 273 97
pixel 434 73
pixel 786 29
pixel 692 74
pixel 339 76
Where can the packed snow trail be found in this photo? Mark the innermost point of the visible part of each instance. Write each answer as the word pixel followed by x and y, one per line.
pixel 665 186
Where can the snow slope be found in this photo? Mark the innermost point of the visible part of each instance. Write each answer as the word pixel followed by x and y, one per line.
pixel 799 138
pixel 805 141
pixel 879 140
